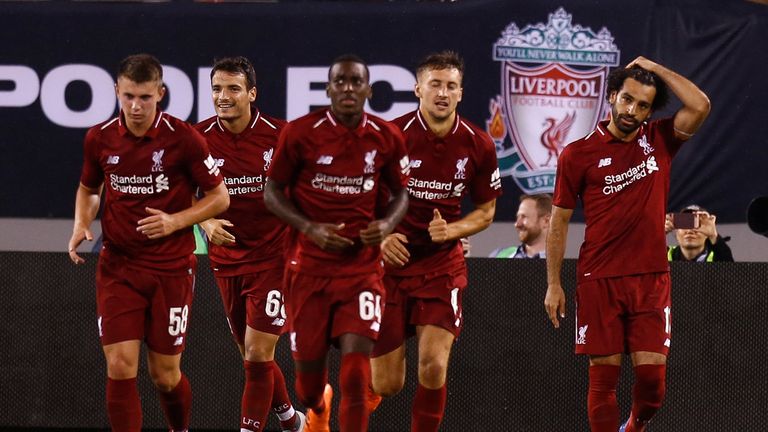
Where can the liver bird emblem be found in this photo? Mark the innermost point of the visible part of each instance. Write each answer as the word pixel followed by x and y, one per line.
pixel 554 134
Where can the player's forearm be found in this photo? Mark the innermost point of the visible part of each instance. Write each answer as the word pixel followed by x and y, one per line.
pixel 87 202
pixel 397 208
pixel 278 203
pixel 556 241
pixel 214 202
pixel 474 222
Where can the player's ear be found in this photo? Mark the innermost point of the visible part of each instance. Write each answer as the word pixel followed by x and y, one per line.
pixel 612 97
pixel 417 90
pixel 252 93
pixel 161 92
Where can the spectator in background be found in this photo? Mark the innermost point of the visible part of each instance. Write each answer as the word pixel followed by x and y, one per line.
pixel 532 225
pixel 702 244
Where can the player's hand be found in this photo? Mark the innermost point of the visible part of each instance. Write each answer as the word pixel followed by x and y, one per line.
pixel 438 228
pixel 643 63
pixel 394 251
pixel 554 303
pixel 159 225
pixel 669 225
pixel 79 233
pixel 324 235
pixel 217 233
pixel 376 232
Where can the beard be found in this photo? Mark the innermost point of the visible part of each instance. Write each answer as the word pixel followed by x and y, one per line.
pixel 626 129
pixel 527 236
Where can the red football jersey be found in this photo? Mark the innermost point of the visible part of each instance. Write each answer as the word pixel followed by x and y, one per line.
pixel 244 160
pixel 160 170
pixel 623 187
pixel 443 170
pixel 333 175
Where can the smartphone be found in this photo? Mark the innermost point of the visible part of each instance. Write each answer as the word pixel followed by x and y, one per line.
pixel 685 220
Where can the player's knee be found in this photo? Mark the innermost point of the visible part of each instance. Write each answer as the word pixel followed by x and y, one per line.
pixel 121 367
pixel 259 354
pixel 432 371
pixel 165 379
pixel 388 386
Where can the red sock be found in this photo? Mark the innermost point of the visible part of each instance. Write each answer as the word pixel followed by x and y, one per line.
pixel 281 402
pixel 123 405
pixel 177 405
pixel 602 408
pixel 353 380
pixel 428 408
pixel 647 394
pixel 257 395
pixel 309 389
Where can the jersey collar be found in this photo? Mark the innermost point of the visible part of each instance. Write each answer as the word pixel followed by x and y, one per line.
pixel 423 123
pixel 151 133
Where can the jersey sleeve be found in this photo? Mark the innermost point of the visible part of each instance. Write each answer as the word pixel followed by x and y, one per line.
pixel 568 180
pixel 201 165
pixel 286 158
pixel 664 129
pixel 395 173
pixel 486 185
pixel 92 174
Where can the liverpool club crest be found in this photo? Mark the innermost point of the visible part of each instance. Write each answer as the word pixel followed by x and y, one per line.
pixel 552 93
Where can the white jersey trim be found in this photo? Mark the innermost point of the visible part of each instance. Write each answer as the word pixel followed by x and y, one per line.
pixel 410 122
pixel 467 127
pixel 374 125
pixel 268 123
pixel 169 125
pixel 110 122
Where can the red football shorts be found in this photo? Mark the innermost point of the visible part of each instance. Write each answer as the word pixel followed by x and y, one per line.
pixel 135 304
pixel 255 300
pixel 430 299
pixel 624 314
pixel 320 309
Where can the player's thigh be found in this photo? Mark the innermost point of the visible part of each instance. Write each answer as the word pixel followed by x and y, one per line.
pixel 388 372
pixel 170 313
pixel 600 324
pixel 649 326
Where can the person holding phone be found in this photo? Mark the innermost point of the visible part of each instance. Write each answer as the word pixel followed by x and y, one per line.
pixel 621 173
pixel 697 237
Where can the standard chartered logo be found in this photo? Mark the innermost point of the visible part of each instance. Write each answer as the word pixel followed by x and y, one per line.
pixel 139 185
pixel 616 182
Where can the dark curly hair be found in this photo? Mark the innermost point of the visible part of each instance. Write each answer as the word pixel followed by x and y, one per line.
pixel 618 76
pixel 236 65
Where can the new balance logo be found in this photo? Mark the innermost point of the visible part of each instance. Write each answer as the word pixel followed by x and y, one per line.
pixel 212 165
pixel 179 341
pixel 278 322
pixel 113 160
pixel 324 160
pixel 604 162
